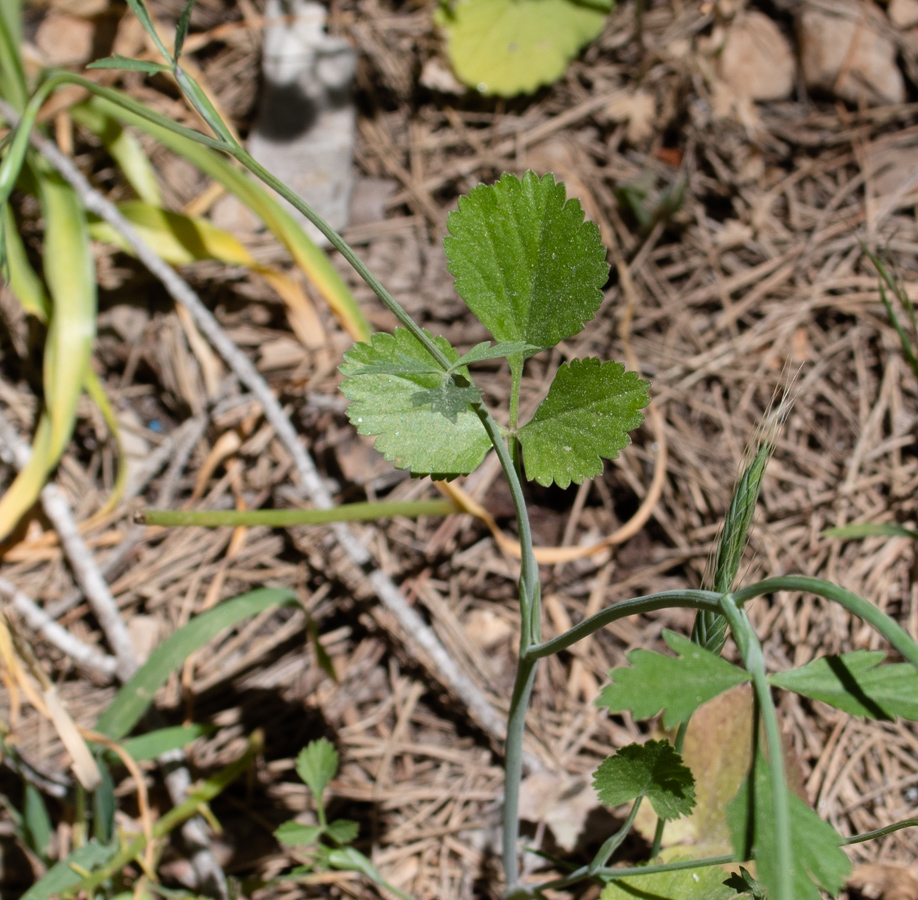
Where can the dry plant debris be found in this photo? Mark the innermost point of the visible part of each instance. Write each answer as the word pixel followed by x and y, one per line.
pixel 758 278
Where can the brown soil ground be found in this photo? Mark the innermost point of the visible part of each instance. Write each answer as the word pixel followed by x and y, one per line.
pixel 759 280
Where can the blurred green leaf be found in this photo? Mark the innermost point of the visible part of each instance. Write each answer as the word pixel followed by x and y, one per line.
pixel 317 764
pixel 136 695
pixel 343 831
pixel 36 823
pixel 131 65
pixel 706 883
pixel 292 834
pixel 65 874
pixel 507 47
pixel 163 740
pixel 653 770
pixel 871 529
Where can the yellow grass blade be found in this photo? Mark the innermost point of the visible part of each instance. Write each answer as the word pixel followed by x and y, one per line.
pixel 23 280
pixel 305 253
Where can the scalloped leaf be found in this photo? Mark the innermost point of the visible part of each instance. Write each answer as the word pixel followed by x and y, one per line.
pixel 653 770
pixel 590 408
pixel 705 883
pixel 421 418
pixel 508 47
pixel 677 684
pixel 525 261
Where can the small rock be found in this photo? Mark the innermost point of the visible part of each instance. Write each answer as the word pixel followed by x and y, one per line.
pixel 843 51
pixel 757 61
pixel 903 13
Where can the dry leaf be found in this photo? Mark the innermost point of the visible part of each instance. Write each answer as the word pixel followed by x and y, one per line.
pixel 882 881
pixel 562 803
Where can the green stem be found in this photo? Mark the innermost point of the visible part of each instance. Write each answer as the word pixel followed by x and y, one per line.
pixel 285 518
pixel 893 633
pixel 615 841
pixel 880 832
pixel 690 599
pixel 754 660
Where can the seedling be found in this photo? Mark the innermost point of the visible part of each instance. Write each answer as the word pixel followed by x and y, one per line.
pixel 532 271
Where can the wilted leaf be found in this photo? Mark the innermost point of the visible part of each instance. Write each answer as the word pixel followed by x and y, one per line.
pixel 857 683
pixel 385 403
pixel 590 409
pixel 676 684
pixel 653 770
pixel 525 261
pixel 509 47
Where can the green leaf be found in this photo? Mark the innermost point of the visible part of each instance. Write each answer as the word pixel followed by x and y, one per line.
pixel 36 823
pixel 743 883
pixel 653 770
pixel 292 834
pixel 508 47
pixel 872 529
pixel 487 350
pixel 706 883
pixel 677 684
pixel 131 65
pixel 181 29
pixel 343 831
pixel 525 261
pixel 163 740
pixel 818 857
pixel 420 438
pixel 590 408
pixel 857 683
pixel 351 860
pixel 137 693
pixel 140 10
pixel 317 764
pixel 66 873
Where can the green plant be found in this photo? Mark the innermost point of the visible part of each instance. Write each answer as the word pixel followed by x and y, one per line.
pixel 532 271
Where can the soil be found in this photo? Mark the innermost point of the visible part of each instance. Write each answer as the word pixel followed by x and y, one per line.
pixel 751 282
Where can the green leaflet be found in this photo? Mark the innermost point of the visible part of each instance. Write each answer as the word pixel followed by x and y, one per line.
pixel 590 408
pixel 525 261
pixel 705 883
pixel 509 47
pixel 422 419
pixel 677 684
pixel 857 683
pixel 818 857
pixel 653 770
pixel 316 764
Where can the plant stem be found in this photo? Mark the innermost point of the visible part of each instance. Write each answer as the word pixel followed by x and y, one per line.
pixel 615 841
pixel 690 599
pixel 754 660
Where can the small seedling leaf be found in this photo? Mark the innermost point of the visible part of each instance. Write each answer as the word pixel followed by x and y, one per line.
pixel 351 860
pixel 705 883
pixel 677 684
pixel 525 261
pixel 858 684
pixel 292 834
pixel 590 408
pixel 653 770
pixel 163 740
pixel 423 420
pixel 506 47
pixel 817 855
pixel 343 831
pixel 131 65
pixel 743 883
pixel 317 764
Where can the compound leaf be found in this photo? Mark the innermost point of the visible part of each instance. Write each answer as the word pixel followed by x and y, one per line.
pixel 857 683
pixel 817 855
pixel 590 408
pixel 508 47
pixel 677 684
pixel 317 764
pixel 525 261
pixel 422 418
pixel 653 770
pixel 705 883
